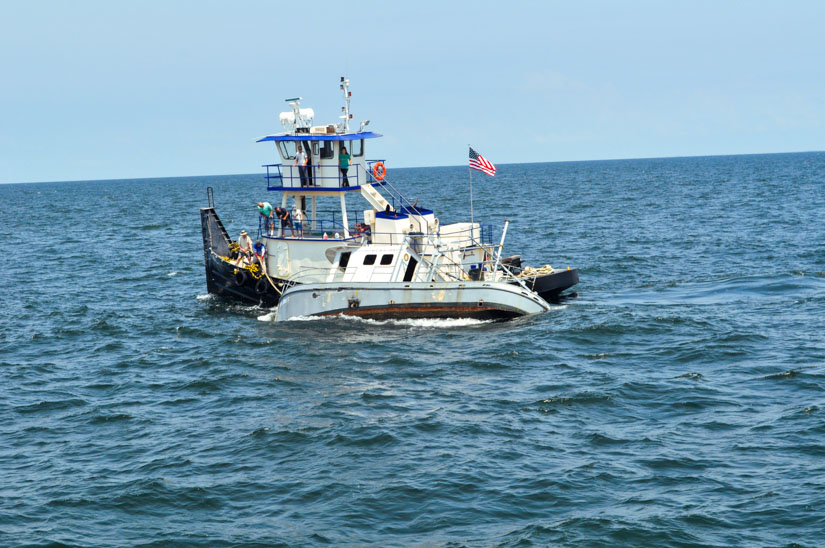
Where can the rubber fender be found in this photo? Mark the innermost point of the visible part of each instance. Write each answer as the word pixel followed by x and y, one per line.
pixel 260 287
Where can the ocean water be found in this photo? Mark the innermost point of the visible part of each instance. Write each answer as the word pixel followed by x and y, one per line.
pixel 679 400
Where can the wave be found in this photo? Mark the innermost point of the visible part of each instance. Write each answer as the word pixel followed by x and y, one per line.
pixel 444 323
pixel 723 291
pixel 53 405
pixel 790 373
pixel 423 323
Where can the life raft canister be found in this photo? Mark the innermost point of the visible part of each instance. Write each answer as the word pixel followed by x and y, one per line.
pixel 379 171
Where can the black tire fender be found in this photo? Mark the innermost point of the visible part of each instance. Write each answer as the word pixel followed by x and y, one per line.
pixel 260 287
pixel 240 277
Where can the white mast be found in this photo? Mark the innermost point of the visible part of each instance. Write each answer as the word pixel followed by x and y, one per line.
pixel 345 109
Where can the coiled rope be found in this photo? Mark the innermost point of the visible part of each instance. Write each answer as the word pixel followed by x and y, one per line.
pixel 529 271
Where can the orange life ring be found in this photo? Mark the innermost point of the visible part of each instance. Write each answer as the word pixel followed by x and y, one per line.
pixel 375 171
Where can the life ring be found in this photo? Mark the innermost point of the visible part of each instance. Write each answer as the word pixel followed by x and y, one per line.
pixel 260 287
pixel 240 277
pixel 375 171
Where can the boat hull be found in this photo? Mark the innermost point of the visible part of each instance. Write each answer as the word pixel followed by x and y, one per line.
pixel 400 300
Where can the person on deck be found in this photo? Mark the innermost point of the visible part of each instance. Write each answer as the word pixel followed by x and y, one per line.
pixel 244 248
pixel 363 230
pixel 344 161
pixel 266 211
pixel 258 254
pixel 301 162
pixel 286 220
pixel 298 218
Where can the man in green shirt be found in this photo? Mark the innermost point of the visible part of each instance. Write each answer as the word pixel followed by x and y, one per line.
pixel 265 209
pixel 344 161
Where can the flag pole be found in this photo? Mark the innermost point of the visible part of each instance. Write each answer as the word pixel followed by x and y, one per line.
pixel 472 220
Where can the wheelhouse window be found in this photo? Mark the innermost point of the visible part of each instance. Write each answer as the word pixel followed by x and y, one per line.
pixel 326 150
pixel 386 259
pixel 369 259
pixel 357 147
pixel 287 149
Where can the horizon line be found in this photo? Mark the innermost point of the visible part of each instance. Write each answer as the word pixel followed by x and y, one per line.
pixel 422 167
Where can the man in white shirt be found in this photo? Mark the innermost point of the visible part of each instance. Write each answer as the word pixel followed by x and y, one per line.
pixel 298 220
pixel 245 245
pixel 301 162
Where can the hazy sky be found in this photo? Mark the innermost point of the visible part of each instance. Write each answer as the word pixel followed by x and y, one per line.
pixel 100 90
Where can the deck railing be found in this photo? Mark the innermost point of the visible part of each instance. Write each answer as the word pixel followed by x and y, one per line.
pixel 281 176
pixel 326 221
pixel 330 223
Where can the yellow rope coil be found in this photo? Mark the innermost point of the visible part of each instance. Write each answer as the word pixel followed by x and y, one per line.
pixel 253 269
pixel 529 271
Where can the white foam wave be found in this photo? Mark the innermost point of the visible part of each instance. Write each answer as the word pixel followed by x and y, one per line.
pixel 410 322
pixel 310 318
pixel 267 317
pixel 173 273
pixel 439 323
pixel 434 323
pixel 205 297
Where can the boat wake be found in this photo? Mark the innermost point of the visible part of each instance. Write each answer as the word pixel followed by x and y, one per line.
pixel 434 323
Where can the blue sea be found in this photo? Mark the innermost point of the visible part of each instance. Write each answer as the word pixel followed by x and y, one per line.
pixel 679 400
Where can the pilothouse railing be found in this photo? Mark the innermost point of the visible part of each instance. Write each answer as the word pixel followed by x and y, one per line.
pixel 280 176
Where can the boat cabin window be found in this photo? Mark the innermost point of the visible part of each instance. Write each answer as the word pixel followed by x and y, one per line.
pixel 344 260
pixel 287 149
pixel 357 148
pixel 408 274
pixel 326 150
pixel 369 259
pixel 386 259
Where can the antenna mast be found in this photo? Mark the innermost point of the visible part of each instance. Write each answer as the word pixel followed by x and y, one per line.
pixel 345 109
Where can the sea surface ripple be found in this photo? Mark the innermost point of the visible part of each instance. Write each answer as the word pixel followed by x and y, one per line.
pixel 679 400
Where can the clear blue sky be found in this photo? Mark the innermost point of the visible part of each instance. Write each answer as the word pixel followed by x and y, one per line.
pixel 101 90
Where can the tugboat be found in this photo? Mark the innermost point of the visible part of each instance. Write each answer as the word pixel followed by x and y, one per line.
pixel 393 259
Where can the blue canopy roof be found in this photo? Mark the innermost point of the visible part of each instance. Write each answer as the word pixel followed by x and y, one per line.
pixel 314 137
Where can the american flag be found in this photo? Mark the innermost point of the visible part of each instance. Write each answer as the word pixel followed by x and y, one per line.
pixel 477 161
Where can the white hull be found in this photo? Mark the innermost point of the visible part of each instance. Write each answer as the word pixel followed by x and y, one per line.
pixel 382 300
